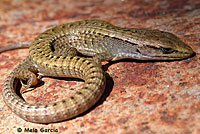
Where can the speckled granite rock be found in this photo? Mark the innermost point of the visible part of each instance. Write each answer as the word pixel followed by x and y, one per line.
pixel 140 97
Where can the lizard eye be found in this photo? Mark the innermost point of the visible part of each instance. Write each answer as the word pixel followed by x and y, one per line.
pixel 166 50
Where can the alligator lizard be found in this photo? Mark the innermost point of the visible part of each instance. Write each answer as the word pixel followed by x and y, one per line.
pixel 54 53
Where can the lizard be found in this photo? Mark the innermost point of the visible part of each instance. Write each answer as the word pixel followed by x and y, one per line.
pixel 55 52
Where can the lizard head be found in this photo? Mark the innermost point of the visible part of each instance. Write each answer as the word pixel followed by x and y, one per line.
pixel 163 46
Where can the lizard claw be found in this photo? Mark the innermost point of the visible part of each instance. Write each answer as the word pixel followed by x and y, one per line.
pixel 32 81
pixel 25 89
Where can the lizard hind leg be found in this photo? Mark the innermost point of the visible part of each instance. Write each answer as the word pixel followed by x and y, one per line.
pixel 27 79
pixel 26 73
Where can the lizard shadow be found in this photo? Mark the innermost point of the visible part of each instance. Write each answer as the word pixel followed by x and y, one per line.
pixel 107 65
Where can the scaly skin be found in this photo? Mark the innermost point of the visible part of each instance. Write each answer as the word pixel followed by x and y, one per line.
pixel 82 100
pixel 54 53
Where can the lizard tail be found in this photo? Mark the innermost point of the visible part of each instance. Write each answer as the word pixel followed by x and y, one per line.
pixel 15 46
